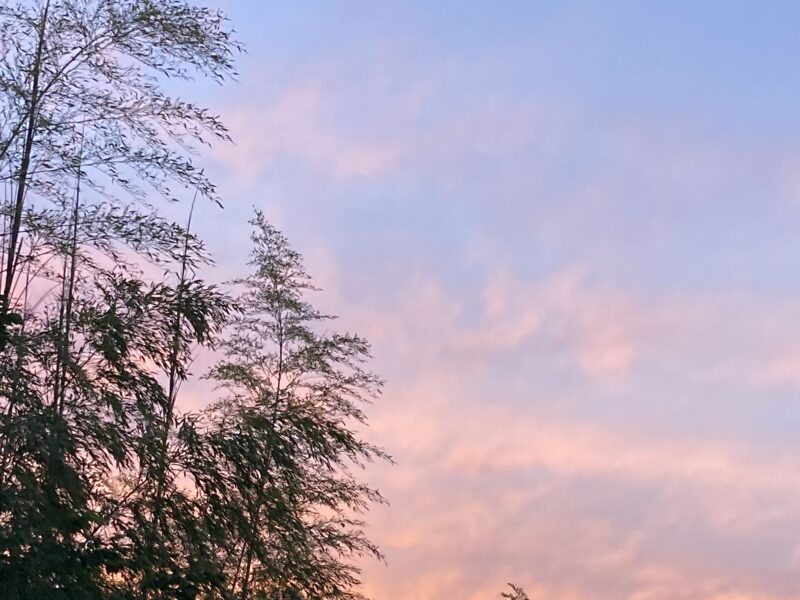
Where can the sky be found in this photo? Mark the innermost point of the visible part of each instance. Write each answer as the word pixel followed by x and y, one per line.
pixel 571 231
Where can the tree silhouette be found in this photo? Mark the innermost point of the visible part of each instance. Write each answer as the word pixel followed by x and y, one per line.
pixel 516 593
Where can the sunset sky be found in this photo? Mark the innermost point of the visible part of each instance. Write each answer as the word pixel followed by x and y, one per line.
pixel 571 231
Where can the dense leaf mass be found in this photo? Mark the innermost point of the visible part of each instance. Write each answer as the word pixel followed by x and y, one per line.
pixel 284 435
pixel 108 490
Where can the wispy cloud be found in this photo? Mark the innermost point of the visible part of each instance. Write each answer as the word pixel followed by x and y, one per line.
pixel 294 126
pixel 583 300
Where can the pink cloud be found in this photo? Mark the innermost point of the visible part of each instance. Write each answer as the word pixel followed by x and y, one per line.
pixel 294 125
pixel 487 486
pixel 597 328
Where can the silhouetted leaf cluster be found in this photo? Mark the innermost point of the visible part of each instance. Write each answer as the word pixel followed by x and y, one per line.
pixel 108 490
